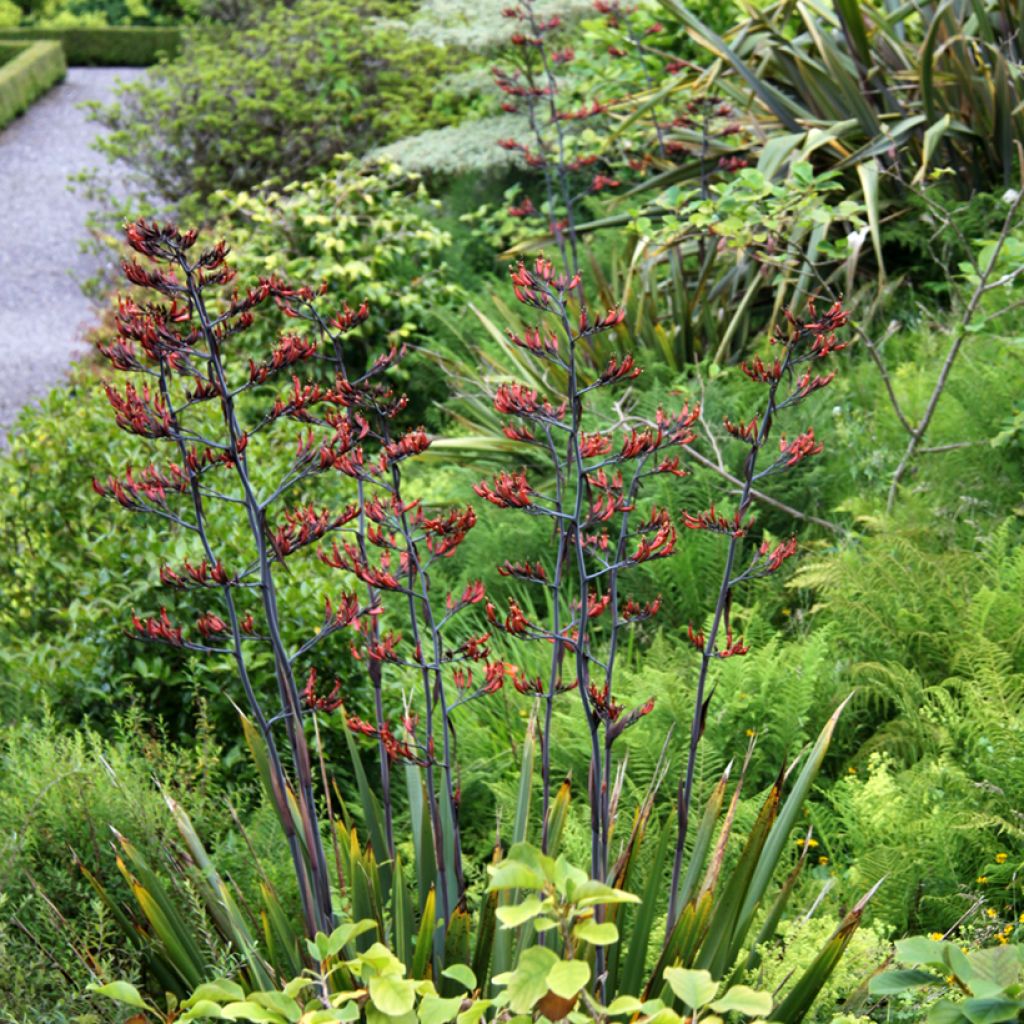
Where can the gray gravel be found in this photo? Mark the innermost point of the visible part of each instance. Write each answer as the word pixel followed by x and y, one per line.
pixel 43 313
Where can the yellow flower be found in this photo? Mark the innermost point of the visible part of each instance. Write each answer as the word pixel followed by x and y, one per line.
pixel 1001 858
pixel 823 860
pixel 1001 939
pixel 1007 929
pixel 750 732
pixel 982 879
pixel 991 912
pixel 937 936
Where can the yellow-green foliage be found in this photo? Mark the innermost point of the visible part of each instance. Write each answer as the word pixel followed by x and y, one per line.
pixel 798 941
pixel 26 74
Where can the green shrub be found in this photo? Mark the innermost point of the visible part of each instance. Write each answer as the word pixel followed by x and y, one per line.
pixel 113 47
pixel 274 100
pixel 60 796
pixel 26 72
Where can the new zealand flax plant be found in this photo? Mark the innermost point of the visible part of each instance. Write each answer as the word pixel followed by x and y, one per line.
pixel 219 411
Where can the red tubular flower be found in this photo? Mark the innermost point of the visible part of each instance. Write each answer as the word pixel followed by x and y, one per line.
pixel 511 490
pixel 774 557
pixel 758 372
pixel 594 444
pixel 696 637
pixel 615 371
pixel 807 385
pixel 304 525
pixel 349 319
pixel 640 443
pixel 475 647
pixel 316 702
pixel 518 433
pixel 523 571
pixel 716 523
pixel 158 629
pixel 516 621
pixel 494 676
pixel 733 648
pixel 742 431
pixel 633 611
pixel 414 442
pixel 140 412
pixel 660 546
pixel 801 447
pixel 210 625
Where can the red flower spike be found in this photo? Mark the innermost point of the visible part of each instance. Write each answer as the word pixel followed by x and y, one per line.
pixel 717 523
pixel 315 702
pixel 758 372
pixel 475 647
pixel 511 490
pixel 774 557
pixel 159 628
pixel 742 431
pixel 523 571
pixel 802 446
pixel 696 637
pixel 733 648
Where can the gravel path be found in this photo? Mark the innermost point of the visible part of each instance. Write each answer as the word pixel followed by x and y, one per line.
pixel 43 313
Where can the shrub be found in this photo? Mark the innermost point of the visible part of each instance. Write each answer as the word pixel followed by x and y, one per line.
pixel 26 72
pixel 274 100
pixel 112 47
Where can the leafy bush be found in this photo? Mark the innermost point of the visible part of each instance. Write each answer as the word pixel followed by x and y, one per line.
pixel 60 796
pixel 27 70
pixel 276 99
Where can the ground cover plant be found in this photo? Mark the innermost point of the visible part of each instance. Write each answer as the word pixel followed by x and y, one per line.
pixel 482 728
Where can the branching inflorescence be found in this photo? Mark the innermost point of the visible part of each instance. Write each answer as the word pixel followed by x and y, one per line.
pixel 213 407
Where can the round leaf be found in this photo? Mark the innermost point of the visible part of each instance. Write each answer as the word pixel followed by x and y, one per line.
pixel 602 933
pixel 695 988
pixel 743 999
pixel 567 977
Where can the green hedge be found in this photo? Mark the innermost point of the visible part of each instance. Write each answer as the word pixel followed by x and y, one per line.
pixel 110 47
pixel 26 72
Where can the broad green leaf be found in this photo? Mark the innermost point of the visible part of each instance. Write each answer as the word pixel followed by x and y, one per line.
pixel 891 983
pixel 567 977
pixel 946 1012
pixel 519 913
pixel 592 894
pixel 221 990
pixel 528 983
pixel 202 1009
pixel 462 974
pixel 745 1000
pixel 624 1004
pixel 123 992
pixel 694 988
pixel 279 1003
pixel 993 1010
pixel 250 1011
pixel 435 1010
pixel 597 933
pixel 392 995
pixel 920 950
pixel 475 1012
pixel 513 875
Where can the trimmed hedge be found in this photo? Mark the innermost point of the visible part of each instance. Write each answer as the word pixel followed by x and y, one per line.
pixel 115 46
pixel 29 70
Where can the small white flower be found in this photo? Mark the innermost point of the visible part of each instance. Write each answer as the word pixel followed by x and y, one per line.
pixel 1010 196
